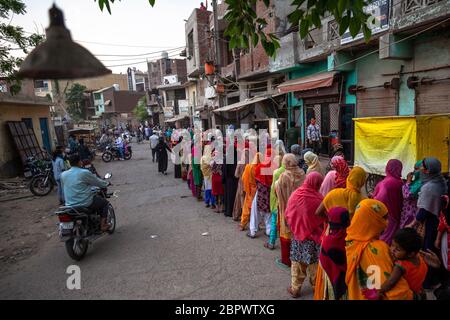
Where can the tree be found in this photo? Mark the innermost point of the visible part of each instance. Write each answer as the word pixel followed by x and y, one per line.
pixel 75 102
pixel 140 111
pixel 245 28
pixel 13 39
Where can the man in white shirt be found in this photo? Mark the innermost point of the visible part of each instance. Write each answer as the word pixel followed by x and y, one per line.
pixel 314 136
pixel 154 139
pixel 119 145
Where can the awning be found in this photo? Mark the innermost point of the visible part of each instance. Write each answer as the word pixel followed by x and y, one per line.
pixel 239 105
pixel 320 80
pixel 175 119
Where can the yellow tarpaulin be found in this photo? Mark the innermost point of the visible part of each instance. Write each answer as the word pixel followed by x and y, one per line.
pixel 381 139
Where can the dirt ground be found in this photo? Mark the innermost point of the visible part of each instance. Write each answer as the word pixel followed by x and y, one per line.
pixel 25 226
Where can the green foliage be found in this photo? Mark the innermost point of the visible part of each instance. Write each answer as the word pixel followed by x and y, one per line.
pixel 140 111
pixel 246 29
pixel 75 102
pixel 13 38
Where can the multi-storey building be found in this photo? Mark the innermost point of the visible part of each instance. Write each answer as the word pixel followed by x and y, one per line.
pixel 402 70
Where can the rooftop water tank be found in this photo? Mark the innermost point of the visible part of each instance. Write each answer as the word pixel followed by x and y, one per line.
pixel 164 55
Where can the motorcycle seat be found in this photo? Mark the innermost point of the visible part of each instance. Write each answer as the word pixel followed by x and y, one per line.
pixel 67 209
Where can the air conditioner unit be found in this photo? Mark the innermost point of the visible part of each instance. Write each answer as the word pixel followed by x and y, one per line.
pixel 210 93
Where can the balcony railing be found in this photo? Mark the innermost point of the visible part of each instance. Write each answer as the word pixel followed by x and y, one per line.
pixel 409 6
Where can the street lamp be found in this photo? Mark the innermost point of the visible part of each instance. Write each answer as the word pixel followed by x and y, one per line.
pixel 59 57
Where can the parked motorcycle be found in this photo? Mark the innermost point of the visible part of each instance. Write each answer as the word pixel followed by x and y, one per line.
pixel 112 152
pixel 42 184
pixel 80 226
pixel 33 167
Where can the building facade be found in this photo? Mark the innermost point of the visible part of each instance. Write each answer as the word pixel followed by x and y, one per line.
pixel 34 111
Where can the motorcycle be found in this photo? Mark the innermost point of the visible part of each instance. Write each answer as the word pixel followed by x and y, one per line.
pixel 33 167
pixel 112 152
pixel 43 183
pixel 79 227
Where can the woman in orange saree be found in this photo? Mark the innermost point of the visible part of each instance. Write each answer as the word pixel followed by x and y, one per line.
pixel 249 182
pixel 369 262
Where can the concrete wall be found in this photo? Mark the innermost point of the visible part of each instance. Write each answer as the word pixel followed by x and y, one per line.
pixel 98 83
pixel 429 50
pixel 198 23
pixel 10 163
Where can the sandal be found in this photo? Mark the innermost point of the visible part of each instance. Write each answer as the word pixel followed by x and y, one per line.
pixel 250 236
pixel 269 246
pixel 293 294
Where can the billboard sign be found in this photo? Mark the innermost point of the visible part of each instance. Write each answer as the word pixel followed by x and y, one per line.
pixel 378 22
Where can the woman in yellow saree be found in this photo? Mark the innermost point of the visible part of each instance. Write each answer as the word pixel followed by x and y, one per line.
pixel 248 178
pixel 368 258
pixel 347 197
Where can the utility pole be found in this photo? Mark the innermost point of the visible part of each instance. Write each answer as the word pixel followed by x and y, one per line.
pixel 216 35
pixel 218 50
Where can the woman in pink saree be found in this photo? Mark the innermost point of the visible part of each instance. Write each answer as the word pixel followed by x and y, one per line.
pixel 389 191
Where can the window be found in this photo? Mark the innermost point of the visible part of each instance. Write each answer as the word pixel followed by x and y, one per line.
pixel 191 52
pixel 41 84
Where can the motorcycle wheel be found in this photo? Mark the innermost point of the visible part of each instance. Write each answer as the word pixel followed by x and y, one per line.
pixel 127 156
pixel 77 251
pixel 111 219
pixel 39 187
pixel 107 156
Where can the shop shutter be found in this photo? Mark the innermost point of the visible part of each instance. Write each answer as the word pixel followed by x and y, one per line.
pixel 433 98
pixel 376 102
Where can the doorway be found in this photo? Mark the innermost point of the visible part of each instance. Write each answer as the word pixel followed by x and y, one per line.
pixel 327 117
pixel 346 130
pixel 45 134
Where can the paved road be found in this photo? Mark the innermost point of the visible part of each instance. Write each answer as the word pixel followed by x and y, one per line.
pixel 179 264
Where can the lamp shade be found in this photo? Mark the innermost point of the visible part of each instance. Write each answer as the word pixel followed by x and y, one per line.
pixel 58 57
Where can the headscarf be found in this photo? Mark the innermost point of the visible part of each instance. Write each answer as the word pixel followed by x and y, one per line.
pixel 276 175
pixel 296 150
pixel 368 223
pixel 329 183
pixel 206 159
pixel 342 171
pixel 248 177
pixel 279 148
pixel 333 259
pixel 312 160
pixel 416 184
pixel 434 186
pixel 389 191
pixel 289 181
pixel 394 169
pixel 301 209
pixel 263 172
pixel 349 196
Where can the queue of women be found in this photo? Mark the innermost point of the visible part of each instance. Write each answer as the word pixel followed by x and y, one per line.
pixel 389 245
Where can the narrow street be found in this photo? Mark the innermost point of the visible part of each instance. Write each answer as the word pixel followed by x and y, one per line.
pixel 180 263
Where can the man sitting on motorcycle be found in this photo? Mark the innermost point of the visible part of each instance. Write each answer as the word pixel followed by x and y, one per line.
pixel 77 184
pixel 120 146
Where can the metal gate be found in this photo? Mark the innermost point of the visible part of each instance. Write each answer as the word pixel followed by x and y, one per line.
pixel 433 98
pixel 25 141
pixel 377 102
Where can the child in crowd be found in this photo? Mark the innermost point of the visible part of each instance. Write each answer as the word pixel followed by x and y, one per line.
pixel 408 263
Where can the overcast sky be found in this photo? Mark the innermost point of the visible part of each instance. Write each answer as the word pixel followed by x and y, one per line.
pixel 133 22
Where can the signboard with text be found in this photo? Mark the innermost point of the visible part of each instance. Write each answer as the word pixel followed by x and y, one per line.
pixel 379 10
